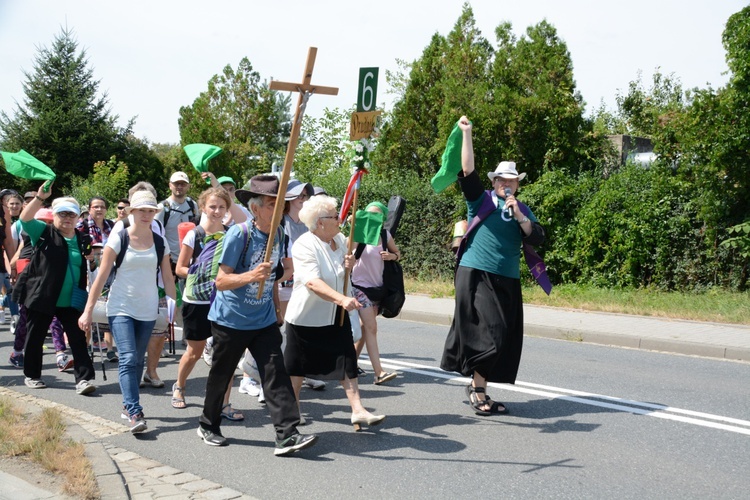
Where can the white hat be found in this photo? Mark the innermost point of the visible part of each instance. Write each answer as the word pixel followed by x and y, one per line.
pixel 179 177
pixel 143 199
pixel 506 170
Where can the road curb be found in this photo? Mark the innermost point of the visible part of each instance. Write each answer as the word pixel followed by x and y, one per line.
pixel 108 476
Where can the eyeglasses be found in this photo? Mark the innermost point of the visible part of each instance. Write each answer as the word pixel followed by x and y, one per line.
pixel 328 217
pixel 67 215
pixel 122 208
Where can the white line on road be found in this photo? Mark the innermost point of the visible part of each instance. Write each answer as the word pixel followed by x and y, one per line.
pixel 613 403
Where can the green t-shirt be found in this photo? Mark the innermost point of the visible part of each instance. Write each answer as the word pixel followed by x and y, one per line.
pixel 494 246
pixel 34 229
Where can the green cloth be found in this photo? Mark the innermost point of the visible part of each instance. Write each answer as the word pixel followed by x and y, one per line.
pixel 25 166
pixel 367 227
pixel 199 154
pixel 379 205
pixel 451 163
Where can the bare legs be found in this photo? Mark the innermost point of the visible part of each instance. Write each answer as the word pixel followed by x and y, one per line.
pixel 368 317
pixel 155 346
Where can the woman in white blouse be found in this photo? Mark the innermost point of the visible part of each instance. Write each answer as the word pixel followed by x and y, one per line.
pixel 317 345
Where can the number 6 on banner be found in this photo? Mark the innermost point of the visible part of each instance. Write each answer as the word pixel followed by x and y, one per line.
pixel 367 94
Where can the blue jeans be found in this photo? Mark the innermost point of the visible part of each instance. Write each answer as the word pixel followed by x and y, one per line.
pixel 7 302
pixel 131 336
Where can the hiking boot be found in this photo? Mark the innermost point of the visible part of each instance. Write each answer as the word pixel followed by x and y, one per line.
pixel 294 443
pixel 137 423
pixel 112 356
pixel 34 383
pixel 16 359
pixel 211 438
pixel 85 387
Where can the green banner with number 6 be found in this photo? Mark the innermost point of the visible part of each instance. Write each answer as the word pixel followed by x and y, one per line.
pixel 367 94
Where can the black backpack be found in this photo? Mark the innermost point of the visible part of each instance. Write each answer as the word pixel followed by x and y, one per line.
pixel 193 217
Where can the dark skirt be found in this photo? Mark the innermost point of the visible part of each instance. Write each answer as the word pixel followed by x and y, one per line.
pixel 486 335
pixel 321 352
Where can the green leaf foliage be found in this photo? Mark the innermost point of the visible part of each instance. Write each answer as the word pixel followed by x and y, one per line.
pixel 66 122
pixel 110 180
pixel 244 117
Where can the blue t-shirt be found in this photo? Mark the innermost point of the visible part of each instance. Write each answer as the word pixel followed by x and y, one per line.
pixel 240 308
pixel 494 246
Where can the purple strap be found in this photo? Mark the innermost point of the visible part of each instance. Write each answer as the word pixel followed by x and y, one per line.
pixel 536 265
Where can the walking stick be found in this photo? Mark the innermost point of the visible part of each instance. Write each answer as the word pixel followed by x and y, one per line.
pixel 347 273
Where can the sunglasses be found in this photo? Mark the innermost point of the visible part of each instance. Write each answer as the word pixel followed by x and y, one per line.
pixel 67 215
pixel 122 208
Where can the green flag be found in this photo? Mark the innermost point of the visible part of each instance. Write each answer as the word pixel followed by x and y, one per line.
pixel 199 154
pixel 367 227
pixel 451 163
pixel 25 166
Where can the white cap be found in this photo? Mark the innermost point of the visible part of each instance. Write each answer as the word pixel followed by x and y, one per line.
pixel 179 177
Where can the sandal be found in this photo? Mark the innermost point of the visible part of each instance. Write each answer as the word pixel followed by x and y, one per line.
pixel 385 377
pixel 484 407
pixel 474 401
pixel 178 402
pixel 231 414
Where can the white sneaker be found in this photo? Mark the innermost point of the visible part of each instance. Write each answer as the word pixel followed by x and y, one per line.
pixel 261 397
pixel 85 387
pixel 250 387
pixel 316 385
pixel 208 353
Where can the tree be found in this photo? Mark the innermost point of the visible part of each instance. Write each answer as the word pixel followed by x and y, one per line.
pixel 242 115
pixel 108 180
pixel 64 121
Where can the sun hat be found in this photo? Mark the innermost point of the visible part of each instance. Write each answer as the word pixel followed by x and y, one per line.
pixel 260 185
pixel 143 199
pixel 295 188
pixel 29 194
pixel 44 214
pixel 179 177
pixel 506 170
pixel 66 206
pixel 226 179
pixel 318 190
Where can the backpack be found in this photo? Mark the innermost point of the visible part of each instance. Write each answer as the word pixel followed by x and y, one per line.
pixel 200 284
pixel 124 242
pixel 168 209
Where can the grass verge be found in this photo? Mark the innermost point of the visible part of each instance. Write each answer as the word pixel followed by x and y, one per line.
pixel 41 438
pixel 718 306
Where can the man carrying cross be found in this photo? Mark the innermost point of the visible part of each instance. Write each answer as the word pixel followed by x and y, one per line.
pixel 240 320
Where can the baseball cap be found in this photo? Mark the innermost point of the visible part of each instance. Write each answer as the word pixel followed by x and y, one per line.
pixel 179 177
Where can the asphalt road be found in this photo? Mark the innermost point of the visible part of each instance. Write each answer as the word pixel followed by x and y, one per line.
pixel 585 421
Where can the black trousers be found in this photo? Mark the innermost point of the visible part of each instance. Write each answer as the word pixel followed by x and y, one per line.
pixel 265 346
pixel 37 324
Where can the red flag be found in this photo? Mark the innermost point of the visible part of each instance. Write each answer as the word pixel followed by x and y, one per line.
pixel 346 203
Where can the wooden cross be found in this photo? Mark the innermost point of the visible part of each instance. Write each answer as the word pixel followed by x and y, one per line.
pixel 305 89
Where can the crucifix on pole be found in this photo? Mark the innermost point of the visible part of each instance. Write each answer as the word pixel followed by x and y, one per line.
pixel 305 89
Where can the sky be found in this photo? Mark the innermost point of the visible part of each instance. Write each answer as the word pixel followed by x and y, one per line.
pixel 153 57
